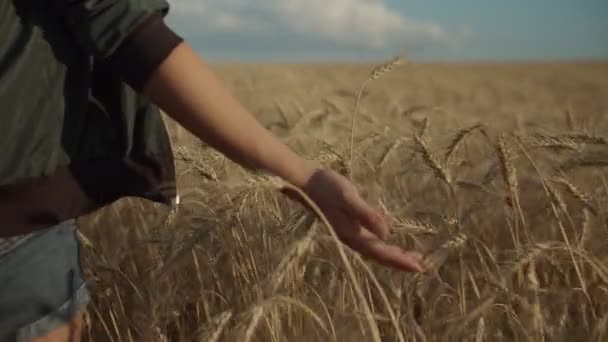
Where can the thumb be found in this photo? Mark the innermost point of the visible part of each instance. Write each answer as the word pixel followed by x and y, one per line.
pixel 369 217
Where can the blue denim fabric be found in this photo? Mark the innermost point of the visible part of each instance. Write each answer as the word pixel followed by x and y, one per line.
pixel 41 284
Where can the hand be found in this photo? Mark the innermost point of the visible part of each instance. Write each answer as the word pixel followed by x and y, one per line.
pixel 356 223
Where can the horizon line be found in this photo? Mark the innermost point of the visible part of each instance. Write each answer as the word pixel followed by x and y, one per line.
pixel 415 61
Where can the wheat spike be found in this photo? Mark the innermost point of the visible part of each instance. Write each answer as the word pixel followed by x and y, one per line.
pixel 415 226
pixel 533 289
pixel 294 256
pixel 374 75
pixel 577 193
pixel 586 138
pixel 392 147
pixel 424 128
pixel 432 161
pixel 555 142
pixel 507 167
pixel 385 68
pixel 435 259
pixel 458 139
pixel 199 162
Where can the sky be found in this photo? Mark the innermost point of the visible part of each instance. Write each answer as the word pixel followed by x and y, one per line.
pixel 360 30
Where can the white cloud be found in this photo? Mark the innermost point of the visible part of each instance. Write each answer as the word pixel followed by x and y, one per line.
pixel 366 23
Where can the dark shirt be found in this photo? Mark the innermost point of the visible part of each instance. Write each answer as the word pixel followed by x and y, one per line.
pixel 75 132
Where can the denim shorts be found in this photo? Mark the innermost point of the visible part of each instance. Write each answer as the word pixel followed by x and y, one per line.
pixel 41 284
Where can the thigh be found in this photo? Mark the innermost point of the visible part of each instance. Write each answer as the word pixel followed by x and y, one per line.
pixel 71 332
pixel 42 288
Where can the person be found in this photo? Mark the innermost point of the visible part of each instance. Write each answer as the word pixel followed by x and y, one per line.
pixel 82 86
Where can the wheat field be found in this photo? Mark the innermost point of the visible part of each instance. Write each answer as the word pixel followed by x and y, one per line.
pixel 496 172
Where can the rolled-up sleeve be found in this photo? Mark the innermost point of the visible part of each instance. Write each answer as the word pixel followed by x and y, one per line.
pixel 101 26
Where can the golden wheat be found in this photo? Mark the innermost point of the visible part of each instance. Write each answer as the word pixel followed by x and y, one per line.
pixel 235 260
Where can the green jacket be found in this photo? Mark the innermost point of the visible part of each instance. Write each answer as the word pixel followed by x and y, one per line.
pixel 74 137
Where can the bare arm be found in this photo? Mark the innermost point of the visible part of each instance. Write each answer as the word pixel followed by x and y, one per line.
pixel 154 61
pixel 186 89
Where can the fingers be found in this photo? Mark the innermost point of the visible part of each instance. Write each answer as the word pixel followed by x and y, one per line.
pixel 367 216
pixel 388 255
pixel 369 245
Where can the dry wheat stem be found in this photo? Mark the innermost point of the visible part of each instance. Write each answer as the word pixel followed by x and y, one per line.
pixel 220 325
pixel 509 174
pixel 559 222
pixel 375 74
pixel 296 253
pixel 533 287
pixel 258 313
pixel 217 323
pixel 489 297
pixel 393 317
pixel 585 138
pixel 585 228
pixel 577 193
pixel 434 260
pixel 554 142
pixel 371 322
pixel 424 129
pixel 459 139
pixel 352 128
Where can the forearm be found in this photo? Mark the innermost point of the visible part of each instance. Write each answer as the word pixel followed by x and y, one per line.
pixel 185 88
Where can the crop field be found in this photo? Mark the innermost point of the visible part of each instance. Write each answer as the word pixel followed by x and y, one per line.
pixel 496 172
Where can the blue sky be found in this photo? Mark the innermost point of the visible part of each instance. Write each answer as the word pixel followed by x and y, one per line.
pixel 305 30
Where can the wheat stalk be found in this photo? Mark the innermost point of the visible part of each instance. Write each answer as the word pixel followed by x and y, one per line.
pixel 424 129
pixel 585 138
pixel 257 314
pixel 577 193
pixel 431 161
pixel 562 229
pixel 509 174
pixel 414 226
pixel 533 288
pixel 375 74
pixel 435 259
pixel 392 147
pixel 507 168
pixel 555 142
pixel 286 187
pixel 293 257
pixel 199 162
pixel 218 324
pixel 258 311
pixel 488 299
pixel 393 318
pixel 459 139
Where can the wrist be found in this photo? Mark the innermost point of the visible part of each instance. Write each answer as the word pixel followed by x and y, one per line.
pixel 299 171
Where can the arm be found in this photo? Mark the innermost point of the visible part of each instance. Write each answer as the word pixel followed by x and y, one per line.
pixel 151 59
pixel 133 39
pixel 185 88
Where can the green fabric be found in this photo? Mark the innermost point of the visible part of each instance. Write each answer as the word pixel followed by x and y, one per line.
pixel 58 105
pixel 101 25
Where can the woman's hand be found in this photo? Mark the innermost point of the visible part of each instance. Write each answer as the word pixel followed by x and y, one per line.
pixel 359 225
pixel 186 89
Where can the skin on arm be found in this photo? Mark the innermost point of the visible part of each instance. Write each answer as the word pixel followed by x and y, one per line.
pixel 186 89
pixel 191 94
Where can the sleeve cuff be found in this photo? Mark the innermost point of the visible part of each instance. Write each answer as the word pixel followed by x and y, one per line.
pixel 143 51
